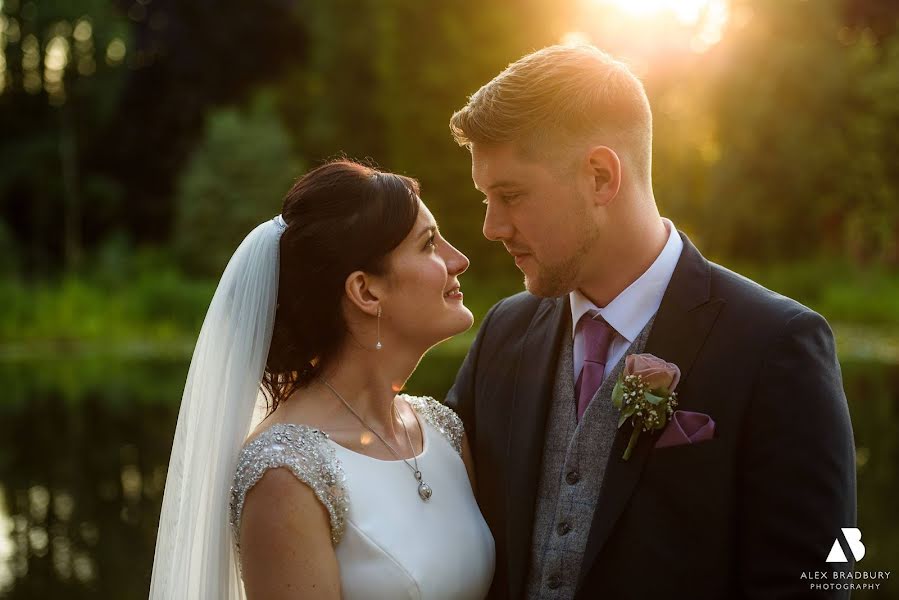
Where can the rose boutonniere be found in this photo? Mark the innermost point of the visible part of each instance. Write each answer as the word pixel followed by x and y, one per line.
pixel 644 393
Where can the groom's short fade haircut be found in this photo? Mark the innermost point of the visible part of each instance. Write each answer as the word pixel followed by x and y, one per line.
pixel 557 95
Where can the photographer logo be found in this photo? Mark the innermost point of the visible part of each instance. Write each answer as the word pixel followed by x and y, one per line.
pixel 841 578
pixel 853 537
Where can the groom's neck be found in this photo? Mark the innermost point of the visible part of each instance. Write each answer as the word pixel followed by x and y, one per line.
pixel 628 247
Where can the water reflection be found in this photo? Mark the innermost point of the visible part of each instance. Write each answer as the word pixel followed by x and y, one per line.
pixel 82 467
pixel 85 446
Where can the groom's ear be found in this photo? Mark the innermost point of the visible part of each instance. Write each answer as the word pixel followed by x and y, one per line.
pixel 605 172
pixel 363 291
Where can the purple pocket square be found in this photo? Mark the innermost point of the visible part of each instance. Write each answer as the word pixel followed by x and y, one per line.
pixel 686 427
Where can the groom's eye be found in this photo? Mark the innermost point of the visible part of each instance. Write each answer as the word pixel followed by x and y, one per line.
pixel 504 198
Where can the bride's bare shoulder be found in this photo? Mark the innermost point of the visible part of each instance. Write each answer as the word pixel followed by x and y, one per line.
pixel 283 519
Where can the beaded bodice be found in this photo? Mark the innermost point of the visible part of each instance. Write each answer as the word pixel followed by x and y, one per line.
pixel 440 417
pixel 306 452
pixel 309 455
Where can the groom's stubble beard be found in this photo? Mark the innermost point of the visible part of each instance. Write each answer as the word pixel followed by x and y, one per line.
pixel 553 280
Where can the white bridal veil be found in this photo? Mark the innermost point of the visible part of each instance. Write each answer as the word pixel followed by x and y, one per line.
pixel 195 557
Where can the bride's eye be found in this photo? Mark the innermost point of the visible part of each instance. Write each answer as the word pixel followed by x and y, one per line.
pixel 430 243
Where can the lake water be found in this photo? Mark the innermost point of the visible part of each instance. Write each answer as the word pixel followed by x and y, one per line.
pixel 84 447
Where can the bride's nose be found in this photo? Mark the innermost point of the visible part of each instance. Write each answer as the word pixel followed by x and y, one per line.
pixel 456 262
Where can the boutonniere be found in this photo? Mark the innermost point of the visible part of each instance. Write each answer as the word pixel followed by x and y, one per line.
pixel 644 393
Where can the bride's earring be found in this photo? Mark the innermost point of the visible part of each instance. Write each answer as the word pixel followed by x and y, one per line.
pixel 378 346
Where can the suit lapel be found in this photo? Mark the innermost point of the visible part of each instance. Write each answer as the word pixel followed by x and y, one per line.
pixel 531 400
pixel 681 326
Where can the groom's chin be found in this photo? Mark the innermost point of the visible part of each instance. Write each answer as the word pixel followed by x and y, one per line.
pixel 543 289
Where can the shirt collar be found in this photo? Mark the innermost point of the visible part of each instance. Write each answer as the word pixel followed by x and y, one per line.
pixel 632 309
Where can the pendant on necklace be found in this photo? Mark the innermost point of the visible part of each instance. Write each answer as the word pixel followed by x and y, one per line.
pixel 424 490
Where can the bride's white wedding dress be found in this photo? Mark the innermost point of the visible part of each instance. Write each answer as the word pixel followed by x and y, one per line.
pixel 390 544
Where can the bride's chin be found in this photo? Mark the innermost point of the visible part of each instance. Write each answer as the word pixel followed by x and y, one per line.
pixel 460 322
pixel 466 320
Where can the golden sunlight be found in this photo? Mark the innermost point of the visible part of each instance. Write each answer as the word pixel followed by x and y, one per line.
pixel 686 11
pixel 702 20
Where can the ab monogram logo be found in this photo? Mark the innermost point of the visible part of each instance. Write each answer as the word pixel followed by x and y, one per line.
pixel 840 578
pixel 853 537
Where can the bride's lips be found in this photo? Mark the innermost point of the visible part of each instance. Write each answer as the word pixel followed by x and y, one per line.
pixel 454 293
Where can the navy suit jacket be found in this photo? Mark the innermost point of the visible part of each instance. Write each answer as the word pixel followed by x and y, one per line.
pixel 743 515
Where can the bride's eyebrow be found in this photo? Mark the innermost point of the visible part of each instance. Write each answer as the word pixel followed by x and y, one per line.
pixel 432 229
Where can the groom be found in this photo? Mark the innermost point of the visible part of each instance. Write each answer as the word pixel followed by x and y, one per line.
pixel 745 491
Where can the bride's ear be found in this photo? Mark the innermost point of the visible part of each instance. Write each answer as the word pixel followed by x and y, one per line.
pixel 364 291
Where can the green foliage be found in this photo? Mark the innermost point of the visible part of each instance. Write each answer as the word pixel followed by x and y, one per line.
pixel 235 180
pixel 840 291
pixel 805 112
pixel 8 261
pixel 46 127
pixel 149 311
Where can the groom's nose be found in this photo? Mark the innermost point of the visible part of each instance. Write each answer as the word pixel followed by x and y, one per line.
pixel 496 225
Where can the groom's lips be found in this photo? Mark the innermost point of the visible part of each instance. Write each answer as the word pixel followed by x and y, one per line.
pixel 519 257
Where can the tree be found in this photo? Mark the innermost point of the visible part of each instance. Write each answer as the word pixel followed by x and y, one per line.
pixel 103 102
pixel 803 106
pixel 235 179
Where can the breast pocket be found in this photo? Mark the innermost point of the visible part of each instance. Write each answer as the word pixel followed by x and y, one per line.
pixel 690 480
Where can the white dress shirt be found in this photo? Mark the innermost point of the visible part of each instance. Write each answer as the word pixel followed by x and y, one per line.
pixel 632 309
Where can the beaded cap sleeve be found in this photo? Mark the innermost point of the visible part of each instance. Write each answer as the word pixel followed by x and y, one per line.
pixel 441 417
pixel 303 450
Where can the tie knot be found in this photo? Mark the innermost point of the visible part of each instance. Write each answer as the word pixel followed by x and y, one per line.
pixel 598 336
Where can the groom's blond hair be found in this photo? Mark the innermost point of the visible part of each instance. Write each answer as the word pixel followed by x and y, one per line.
pixel 558 97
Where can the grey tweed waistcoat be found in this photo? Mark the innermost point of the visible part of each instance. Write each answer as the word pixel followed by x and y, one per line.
pixel 575 455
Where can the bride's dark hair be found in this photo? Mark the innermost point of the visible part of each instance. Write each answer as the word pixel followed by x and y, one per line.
pixel 341 217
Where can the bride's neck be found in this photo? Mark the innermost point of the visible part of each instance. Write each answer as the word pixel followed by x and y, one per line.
pixel 370 379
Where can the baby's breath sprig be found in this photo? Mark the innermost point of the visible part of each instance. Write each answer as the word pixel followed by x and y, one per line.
pixel 647 409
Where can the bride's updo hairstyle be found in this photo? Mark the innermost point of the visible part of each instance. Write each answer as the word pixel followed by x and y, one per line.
pixel 341 217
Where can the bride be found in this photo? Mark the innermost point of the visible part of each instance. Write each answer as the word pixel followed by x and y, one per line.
pixel 347 488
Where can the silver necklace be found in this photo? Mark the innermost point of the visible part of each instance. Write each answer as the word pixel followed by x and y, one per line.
pixel 424 490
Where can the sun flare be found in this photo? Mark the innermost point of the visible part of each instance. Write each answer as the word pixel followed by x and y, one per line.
pixel 704 19
pixel 686 11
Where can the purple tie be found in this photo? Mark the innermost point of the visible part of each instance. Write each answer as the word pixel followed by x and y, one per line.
pixel 597 338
